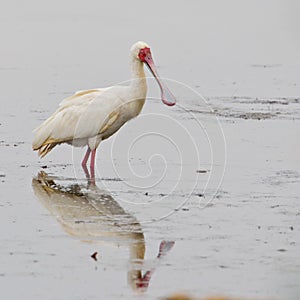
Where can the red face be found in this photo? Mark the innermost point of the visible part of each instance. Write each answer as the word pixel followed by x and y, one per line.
pixel 145 53
pixel 166 96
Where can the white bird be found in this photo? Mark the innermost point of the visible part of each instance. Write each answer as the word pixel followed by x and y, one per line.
pixel 91 116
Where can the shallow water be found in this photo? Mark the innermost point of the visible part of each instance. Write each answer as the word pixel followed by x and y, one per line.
pixel 202 197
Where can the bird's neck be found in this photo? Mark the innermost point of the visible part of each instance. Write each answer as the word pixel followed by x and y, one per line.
pixel 137 74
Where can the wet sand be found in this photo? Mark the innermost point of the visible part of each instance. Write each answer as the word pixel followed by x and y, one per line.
pixel 200 198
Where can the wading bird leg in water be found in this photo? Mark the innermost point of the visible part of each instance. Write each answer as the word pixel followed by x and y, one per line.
pixel 92 166
pixel 86 157
pixel 84 161
pixel 91 116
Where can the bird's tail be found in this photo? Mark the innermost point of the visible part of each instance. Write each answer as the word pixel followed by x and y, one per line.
pixel 45 149
pixel 42 141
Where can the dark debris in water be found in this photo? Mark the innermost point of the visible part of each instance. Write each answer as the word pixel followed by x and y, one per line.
pixel 255 116
pixel 12 144
pixel 266 65
pixel 223 267
pixel 79 222
pixel 251 108
pixel 94 256
pixel 39 111
pixel 201 171
pixel 275 206
pixel 200 195
pixel 111 179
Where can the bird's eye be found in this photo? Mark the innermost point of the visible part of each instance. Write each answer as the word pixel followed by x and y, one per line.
pixel 142 55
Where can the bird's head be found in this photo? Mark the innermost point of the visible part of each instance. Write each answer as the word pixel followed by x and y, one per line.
pixel 141 51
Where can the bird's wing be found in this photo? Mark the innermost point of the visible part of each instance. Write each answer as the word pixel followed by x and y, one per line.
pixel 81 96
pixel 84 116
pixel 113 116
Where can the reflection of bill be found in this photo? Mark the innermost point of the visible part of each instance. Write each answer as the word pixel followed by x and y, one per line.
pixel 141 281
pixel 92 214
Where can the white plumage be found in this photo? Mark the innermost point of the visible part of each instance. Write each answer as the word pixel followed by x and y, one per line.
pixel 88 117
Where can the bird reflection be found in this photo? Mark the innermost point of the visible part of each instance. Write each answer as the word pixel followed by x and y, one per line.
pixel 92 214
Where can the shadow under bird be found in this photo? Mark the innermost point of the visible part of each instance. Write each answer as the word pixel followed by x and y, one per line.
pixel 91 116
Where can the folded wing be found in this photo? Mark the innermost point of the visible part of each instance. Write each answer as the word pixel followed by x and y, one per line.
pixel 80 116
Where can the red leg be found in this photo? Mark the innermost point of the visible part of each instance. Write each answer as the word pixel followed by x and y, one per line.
pixel 84 161
pixel 86 157
pixel 92 166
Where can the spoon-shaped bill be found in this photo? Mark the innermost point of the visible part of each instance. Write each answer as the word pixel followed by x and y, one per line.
pixel 166 96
